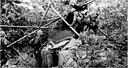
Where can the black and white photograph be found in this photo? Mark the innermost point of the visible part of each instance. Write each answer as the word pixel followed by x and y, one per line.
pixel 63 33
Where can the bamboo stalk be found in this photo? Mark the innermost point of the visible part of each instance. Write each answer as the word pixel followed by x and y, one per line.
pixel 65 21
pixel 21 38
pixel 22 26
pixel 31 32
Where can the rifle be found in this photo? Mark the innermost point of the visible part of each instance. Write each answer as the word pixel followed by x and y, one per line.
pixel 82 7
pixel 89 2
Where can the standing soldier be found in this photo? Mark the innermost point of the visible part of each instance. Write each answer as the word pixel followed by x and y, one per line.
pixel 36 44
pixel 3 43
pixel 38 40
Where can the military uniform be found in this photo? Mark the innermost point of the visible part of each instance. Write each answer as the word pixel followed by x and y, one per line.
pixel 3 43
pixel 92 22
pixel 79 12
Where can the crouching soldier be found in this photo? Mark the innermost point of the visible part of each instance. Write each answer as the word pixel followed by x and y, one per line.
pixel 38 39
pixel 3 43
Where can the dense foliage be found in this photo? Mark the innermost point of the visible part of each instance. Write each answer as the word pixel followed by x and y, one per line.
pixel 101 51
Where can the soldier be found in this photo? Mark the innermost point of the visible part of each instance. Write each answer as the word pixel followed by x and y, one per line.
pixel 91 22
pixel 36 44
pixel 78 12
pixel 38 40
pixel 3 43
pixel 94 22
pixel 75 14
pixel 3 40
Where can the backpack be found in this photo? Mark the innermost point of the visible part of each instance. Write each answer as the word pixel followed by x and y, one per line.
pixel 3 42
pixel 49 58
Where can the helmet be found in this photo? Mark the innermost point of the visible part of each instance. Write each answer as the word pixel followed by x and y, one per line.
pixel 72 9
pixel 94 15
pixel 0 29
pixel 85 11
pixel 2 34
pixel 39 32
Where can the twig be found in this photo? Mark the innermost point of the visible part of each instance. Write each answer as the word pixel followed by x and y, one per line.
pixel 50 19
pixel 53 44
pixel 53 2
pixel 85 2
pixel 42 45
pixel 45 14
pixel 18 53
pixel 65 21
pixel 103 33
pixel 90 2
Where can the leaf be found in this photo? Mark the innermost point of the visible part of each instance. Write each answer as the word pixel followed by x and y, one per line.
pixel 11 62
pixel 73 43
pixel 60 44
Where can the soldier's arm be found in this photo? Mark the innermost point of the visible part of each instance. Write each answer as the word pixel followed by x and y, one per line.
pixel 74 18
